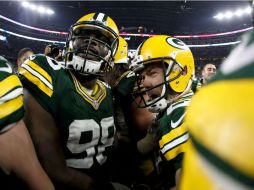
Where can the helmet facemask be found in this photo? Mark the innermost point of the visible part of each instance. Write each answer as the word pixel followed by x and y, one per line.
pixel 171 71
pixel 90 51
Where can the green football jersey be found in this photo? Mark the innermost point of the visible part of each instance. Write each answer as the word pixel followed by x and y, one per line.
pixel 11 97
pixel 85 121
pixel 173 130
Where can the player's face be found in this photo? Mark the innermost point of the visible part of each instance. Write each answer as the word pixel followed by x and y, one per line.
pixel 152 76
pixel 209 71
pixel 91 45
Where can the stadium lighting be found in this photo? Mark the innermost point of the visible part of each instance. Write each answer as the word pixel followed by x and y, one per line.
pixel 248 10
pixel 32 7
pixel 231 14
pixel 40 9
pixel 219 16
pixel 63 42
pixel 239 12
pixel 228 15
pixel 25 4
pixel 50 12
pixel 30 38
pixel 132 34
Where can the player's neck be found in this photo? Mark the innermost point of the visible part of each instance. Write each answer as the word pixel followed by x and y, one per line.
pixel 87 81
pixel 89 84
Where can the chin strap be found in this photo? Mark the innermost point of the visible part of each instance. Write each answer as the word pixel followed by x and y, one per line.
pixel 164 103
pixel 159 105
pixel 107 58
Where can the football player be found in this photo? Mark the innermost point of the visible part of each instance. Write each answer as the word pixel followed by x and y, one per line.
pixel 165 66
pixel 221 125
pixel 69 110
pixel 123 81
pixel 208 71
pixel 121 63
pixel 19 165
pixel 131 121
pixel 120 70
pixel 23 55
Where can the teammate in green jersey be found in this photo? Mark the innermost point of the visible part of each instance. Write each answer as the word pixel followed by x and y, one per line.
pixel 69 110
pixel 131 122
pixel 19 165
pixel 221 125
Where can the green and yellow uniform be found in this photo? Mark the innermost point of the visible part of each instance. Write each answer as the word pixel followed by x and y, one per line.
pixel 85 120
pixel 221 125
pixel 174 134
pixel 11 112
pixel 11 97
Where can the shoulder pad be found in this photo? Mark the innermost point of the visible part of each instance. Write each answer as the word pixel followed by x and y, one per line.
pixel 11 97
pixel 40 71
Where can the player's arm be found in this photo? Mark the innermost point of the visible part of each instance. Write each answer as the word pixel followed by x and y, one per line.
pixel 45 136
pixel 18 156
pixel 38 74
pixel 17 151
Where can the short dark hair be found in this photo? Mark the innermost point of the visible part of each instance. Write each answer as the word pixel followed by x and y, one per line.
pixel 23 51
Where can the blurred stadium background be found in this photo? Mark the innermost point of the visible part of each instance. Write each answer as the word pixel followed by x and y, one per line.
pixel 210 28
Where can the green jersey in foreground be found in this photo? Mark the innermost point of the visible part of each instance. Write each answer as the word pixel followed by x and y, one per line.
pixel 84 119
